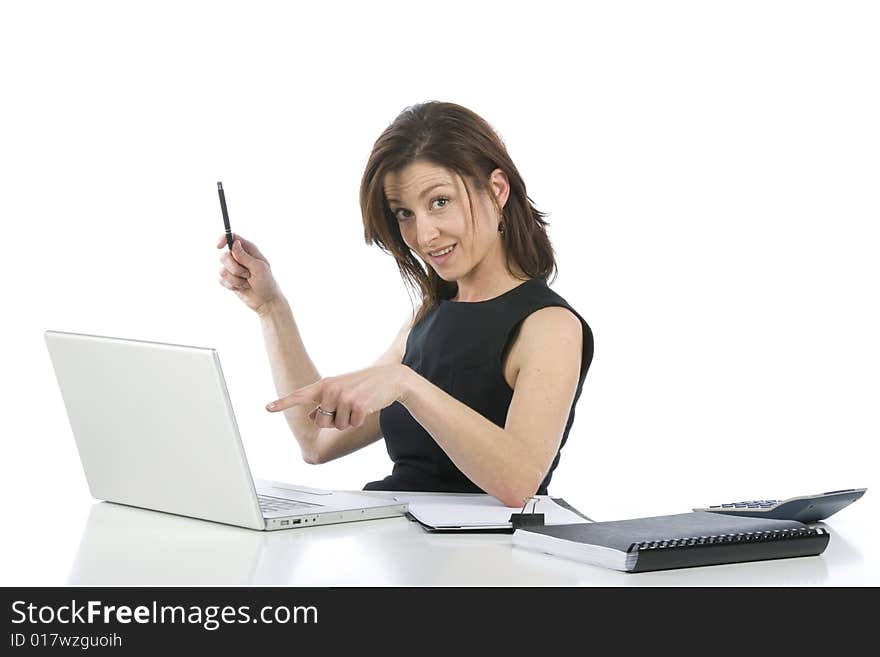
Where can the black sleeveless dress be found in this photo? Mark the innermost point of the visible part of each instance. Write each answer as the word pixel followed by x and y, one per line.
pixel 459 347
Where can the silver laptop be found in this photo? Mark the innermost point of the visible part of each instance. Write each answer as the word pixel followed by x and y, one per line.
pixel 154 427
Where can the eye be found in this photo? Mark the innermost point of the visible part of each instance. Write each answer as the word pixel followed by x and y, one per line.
pixel 440 199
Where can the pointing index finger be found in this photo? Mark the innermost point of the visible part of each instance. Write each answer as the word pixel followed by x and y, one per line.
pixel 296 398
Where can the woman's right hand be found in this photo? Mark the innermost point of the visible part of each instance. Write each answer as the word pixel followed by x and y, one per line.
pixel 246 272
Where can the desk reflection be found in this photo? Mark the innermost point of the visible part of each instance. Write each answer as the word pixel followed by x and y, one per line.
pixel 129 546
pixel 123 545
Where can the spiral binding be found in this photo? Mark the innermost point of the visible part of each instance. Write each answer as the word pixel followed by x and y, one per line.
pixel 726 539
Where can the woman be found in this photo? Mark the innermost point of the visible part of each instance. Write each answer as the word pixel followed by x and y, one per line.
pixel 477 391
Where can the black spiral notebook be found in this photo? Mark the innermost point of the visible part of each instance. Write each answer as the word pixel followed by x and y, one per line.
pixel 676 541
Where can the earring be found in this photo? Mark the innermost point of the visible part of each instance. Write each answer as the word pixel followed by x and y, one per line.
pixel 501 228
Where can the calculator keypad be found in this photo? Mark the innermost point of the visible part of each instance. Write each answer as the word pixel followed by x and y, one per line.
pixel 752 504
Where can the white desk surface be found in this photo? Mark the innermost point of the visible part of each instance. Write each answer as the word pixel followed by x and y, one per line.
pixel 121 545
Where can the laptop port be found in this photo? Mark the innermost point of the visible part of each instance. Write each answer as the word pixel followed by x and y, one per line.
pixel 285 522
pixel 296 522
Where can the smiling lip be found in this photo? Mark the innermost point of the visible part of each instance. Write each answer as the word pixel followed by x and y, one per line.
pixel 443 258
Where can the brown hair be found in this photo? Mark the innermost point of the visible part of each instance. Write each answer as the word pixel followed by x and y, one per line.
pixel 453 137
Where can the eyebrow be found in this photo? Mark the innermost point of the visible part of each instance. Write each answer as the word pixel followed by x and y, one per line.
pixel 424 193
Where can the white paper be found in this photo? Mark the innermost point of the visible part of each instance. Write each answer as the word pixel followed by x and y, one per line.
pixel 456 511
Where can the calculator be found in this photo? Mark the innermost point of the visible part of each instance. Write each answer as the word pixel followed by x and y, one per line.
pixel 807 508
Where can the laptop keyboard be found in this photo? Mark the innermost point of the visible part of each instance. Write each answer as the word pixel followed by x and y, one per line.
pixel 268 503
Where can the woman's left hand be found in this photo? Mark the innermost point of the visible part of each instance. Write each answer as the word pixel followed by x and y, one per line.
pixel 353 396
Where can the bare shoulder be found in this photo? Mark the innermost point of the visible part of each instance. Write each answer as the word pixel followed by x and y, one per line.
pixel 551 325
pixel 548 332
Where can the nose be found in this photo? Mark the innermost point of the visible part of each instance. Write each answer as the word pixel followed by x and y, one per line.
pixel 426 231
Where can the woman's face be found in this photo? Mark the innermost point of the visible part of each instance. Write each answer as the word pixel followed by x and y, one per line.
pixel 431 209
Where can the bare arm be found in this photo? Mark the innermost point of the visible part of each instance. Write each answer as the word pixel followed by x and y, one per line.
pixel 291 365
pixel 292 368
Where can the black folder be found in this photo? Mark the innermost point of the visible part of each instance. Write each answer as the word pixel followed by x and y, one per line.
pixel 676 541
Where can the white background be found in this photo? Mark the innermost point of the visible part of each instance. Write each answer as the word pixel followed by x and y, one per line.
pixel 710 170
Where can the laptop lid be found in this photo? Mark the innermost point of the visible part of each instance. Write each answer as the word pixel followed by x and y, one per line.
pixel 154 426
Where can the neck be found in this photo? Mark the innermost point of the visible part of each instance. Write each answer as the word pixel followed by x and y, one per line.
pixel 487 280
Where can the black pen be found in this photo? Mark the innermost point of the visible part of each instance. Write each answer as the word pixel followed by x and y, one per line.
pixel 229 235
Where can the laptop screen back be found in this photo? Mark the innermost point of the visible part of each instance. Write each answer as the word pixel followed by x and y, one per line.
pixel 154 426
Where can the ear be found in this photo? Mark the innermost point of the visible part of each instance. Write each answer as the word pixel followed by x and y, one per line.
pixel 500 186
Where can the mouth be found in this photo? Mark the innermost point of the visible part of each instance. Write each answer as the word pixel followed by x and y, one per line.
pixel 443 254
